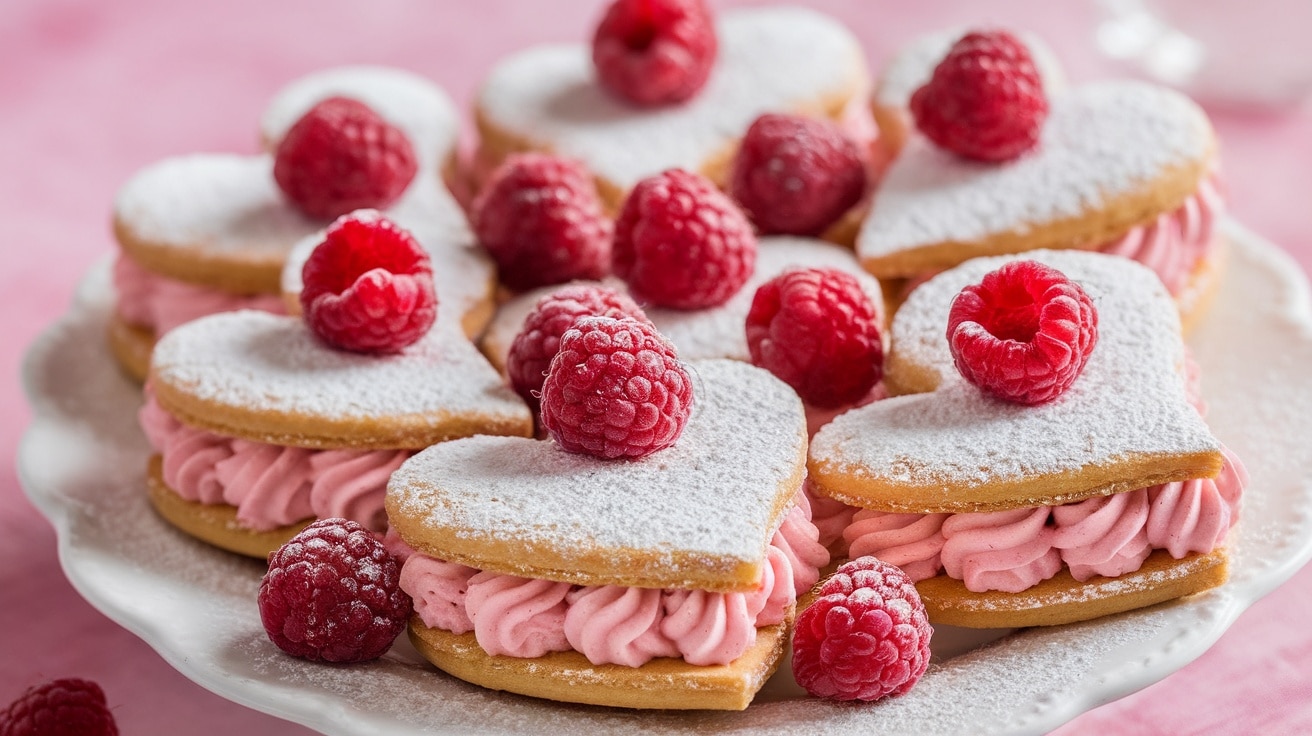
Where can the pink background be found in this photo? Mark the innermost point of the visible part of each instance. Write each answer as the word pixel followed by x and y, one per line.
pixel 92 91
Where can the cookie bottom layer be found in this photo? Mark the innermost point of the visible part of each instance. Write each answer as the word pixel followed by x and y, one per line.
pixel 131 346
pixel 663 683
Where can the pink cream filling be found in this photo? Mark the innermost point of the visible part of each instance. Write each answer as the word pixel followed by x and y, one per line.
pixel 270 485
pixel 611 624
pixel 1173 244
pixel 160 303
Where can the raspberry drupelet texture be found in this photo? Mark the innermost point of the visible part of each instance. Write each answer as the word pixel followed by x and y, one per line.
pixel 540 218
pixel 333 594
pixel 615 389
pixel 796 175
pixel 539 339
pixel 681 243
pixel 368 287
pixel 817 331
pixel 866 635
pixel 1024 333
pixel 65 707
pixel 342 156
pixel 654 52
pixel 985 100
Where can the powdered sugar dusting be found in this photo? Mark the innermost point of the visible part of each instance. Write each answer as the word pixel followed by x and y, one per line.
pixel 1100 140
pixel 770 60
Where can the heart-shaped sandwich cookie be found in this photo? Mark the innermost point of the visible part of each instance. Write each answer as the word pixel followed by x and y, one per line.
pixel 1113 496
pixel 661 582
pixel 260 427
pixel 547 98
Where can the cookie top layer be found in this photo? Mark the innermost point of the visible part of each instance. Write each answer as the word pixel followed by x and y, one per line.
pixel 697 515
pixel 268 378
pixel 1124 424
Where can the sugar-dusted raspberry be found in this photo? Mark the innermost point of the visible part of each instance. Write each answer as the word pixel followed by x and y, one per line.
pixel 865 637
pixel 368 287
pixel 539 339
pixel 985 100
pixel 333 594
pixel 66 707
pixel 818 332
pixel 654 52
pixel 796 175
pixel 342 156
pixel 1024 333
pixel 615 389
pixel 681 243
pixel 541 219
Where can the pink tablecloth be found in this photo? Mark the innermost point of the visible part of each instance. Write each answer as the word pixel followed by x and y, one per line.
pixel 89 92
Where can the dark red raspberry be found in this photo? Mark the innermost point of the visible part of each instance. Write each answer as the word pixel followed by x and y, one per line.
pixel 368 287
pixel 818 332
pixel 615 389
pixel 865 637
pixel 654 52
pixel 342 156
pixel 1024 333
pixel 985 100
pixel 539 339
pixel 66 707
pixel 541 219
pixel 796 175
pixel 681 243
pixel 333 594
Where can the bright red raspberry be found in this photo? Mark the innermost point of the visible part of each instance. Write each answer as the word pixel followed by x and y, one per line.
pixel 342 156
pixel 817 331
pixel 615 389
pixel 985 100
pixel 654 52
pixel 541 219
pixel 65 707
pixel 681 243
pixel 538 340
pixel 368 287
pixel 796 175
pixel 333 594
pixel 865 637
pixel 1024 333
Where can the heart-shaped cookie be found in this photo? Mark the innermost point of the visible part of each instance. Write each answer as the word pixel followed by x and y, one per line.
pixel 770 60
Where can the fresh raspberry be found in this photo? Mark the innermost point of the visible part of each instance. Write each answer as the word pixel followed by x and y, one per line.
pixel 615 389
pixel 368 287
pixel 539 339
pixel 865 637
pixel 1024 333
pixel 342 156
pixel 681 243
pixel 985 100
pixel 541 219
pixel 654 52
pixel 66 707
pixel 333 594
pixel 796 175
pixel 818 332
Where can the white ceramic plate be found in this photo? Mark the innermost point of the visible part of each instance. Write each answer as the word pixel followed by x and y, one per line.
pixel 82 462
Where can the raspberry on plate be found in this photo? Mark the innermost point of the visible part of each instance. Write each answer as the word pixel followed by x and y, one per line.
pixel 985 100
pixel 654 52
pixel 342 156
pixel 817 331
pixel 540 218
pixel 539 339
pixel 681 243
pixel 66 707
pixel 368 287
pixel 615 389
pixel 1024 333
pixel 796 175
pixel 866 635
pixel 333 594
